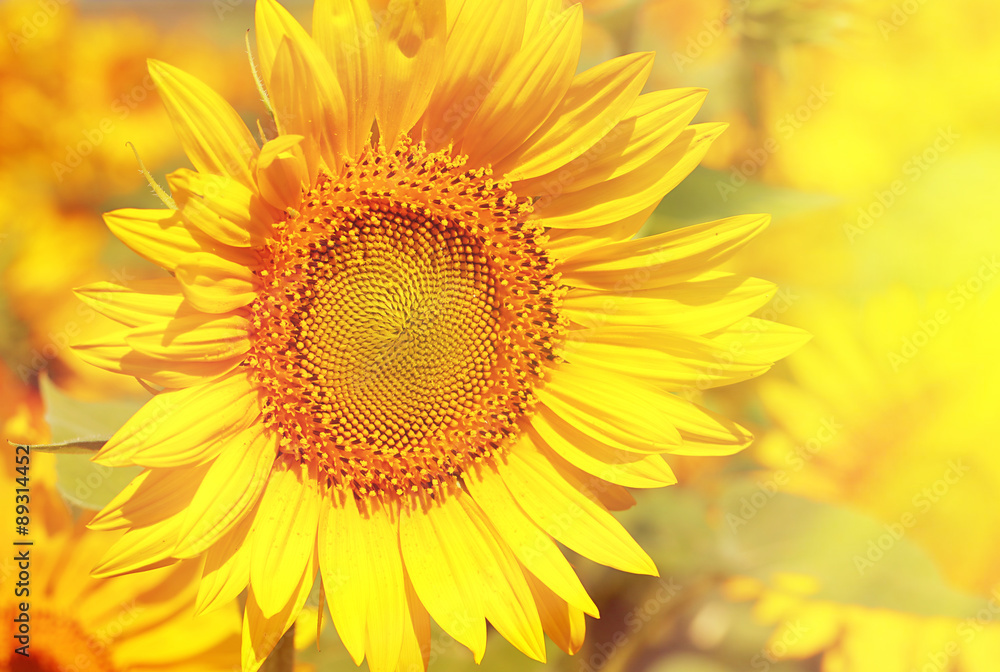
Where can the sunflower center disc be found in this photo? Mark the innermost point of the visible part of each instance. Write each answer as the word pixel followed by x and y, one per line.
pixel 406 314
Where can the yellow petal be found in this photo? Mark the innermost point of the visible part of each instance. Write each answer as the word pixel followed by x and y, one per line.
pixel 527 91
pixel 140 548
pixel 282 173
pixel 704 432
pixel 193 338
pixel 162 236
pixel 227 568
pixel 272 23
pixel 510 608
pixel 261 633
pixel 663 259
pixel 612 198
pixel 414 655
pixel 530 544
pixel 438 569
pixel 594 103
pixel 611 408
pixel 411 44
pixel 213 284
pixel 387 610
pixel 345 33
pixel 652 123
pixel 555 501
pixel 585 397
pixel 597 458
pixel 563 623
pixel 230 491
pixel 284 536
pixel 762 339
pixel 674 361
pixel 112 353
pixel 704 304
pixel 220 207
pixel 484 37
pixel 567 243
pixel 611 496
pixel 144 302
pixel 308 102
pixel 343 548
pixel 151 497
pixel 481 567
pixel 542 15
pixel 186 426
pixel 212 133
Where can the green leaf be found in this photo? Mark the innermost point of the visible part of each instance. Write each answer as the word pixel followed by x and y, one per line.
pixel 855 558
pixel 707 195
pixel 77 425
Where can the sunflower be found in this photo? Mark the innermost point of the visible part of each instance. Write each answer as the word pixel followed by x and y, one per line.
pixel 39 313
pixel 73 92
pixel 924 378
pixel 889 414
pixel 408 342
pixel 861 638
pixel 60 618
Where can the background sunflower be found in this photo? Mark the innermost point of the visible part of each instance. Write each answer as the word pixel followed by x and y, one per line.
pixel 73 620
pixel 853 535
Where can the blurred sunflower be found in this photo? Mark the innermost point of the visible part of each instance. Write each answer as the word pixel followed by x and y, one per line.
pixel 869 420
pixel 39 313
pixel 854 638
pixel 408 342
pixel 898 379
pixel 72 94
pixel 76 622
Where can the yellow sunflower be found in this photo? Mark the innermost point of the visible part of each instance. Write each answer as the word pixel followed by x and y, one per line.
pixel 923 378
pixel 856 638
pixel 890 413
pixel 57 618
pixel 73 92
pixel 407 343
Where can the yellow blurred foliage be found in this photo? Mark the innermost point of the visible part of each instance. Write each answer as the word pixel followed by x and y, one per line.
pixel 73 91
pixel 850 638
pixel 891 411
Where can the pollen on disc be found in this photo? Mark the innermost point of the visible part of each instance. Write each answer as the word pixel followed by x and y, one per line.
pixel 407 313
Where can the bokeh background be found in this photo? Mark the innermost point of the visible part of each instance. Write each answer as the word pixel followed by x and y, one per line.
pixel 859 531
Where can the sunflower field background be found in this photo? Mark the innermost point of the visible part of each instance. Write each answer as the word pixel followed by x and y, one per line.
pixel 857 533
